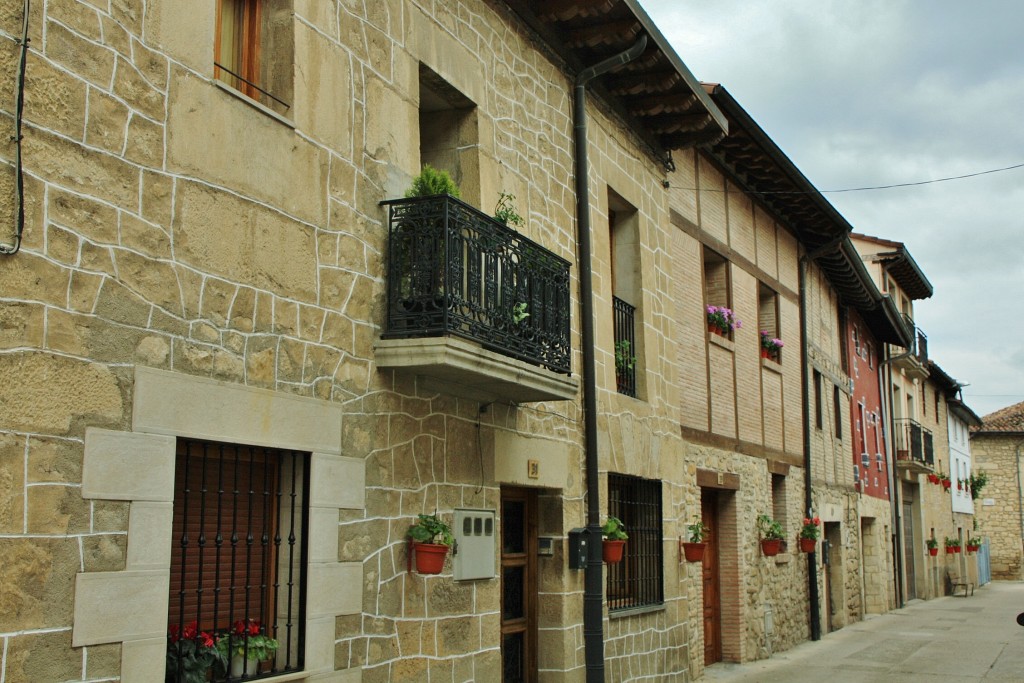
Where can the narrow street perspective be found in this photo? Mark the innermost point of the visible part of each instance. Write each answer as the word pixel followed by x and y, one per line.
pixel 950 639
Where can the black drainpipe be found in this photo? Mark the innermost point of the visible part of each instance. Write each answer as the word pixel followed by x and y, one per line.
pixel 812 558
pixel 593 593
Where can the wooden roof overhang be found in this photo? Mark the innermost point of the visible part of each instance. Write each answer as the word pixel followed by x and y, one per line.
pixel 655 94
pixel 757 165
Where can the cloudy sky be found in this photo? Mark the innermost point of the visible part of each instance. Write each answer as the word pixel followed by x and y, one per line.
pixel 864 93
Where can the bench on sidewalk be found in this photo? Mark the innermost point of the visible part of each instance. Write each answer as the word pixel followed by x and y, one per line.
pixel 956 583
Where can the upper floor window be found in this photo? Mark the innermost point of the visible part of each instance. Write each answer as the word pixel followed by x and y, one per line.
pixel 717 289
pixel 768 322
pixel 253 50
pixel 623 228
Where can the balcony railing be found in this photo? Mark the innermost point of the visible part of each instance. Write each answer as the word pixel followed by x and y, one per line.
pixel 625 346
pixel 914 445
pixel 453 270
pixel 920 343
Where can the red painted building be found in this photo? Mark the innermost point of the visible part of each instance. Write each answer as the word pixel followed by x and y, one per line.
pixel 864 354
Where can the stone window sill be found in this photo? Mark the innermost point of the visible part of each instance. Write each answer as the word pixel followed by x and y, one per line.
pixel 254 104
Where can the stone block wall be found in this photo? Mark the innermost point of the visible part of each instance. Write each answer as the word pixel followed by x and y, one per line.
pixel 998 511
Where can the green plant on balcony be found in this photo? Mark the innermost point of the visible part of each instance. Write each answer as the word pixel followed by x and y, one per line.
pixel 520 312
pixel 505 210
pixel 432 181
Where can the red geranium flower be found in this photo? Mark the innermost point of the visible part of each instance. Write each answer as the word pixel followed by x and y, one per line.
pixel 174 631
pixel 191 629
pixel 206 639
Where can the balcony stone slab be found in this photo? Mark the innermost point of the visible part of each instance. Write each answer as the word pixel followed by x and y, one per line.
pixel 462 368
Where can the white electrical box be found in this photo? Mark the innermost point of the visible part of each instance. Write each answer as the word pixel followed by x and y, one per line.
pixel 475 544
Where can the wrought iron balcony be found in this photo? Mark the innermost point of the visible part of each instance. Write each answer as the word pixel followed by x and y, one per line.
pixel 915 359
pixel 455 272
pixel 915 449
pixel 625 346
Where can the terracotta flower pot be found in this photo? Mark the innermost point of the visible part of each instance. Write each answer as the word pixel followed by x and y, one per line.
pixel 973 548
pixel 946 483
pixel 949 550
pixel 956 549
pixel 933 551
pixel 694 552
pixel 714 329
pixel 765 353
pixel 807 545
pixel 771 546
pixel 611 551
pixel 430 557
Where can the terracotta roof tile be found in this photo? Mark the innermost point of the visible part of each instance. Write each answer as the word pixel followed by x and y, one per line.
pixel 1009 419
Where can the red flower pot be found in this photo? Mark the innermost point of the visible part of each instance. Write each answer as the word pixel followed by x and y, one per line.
pixel 949 550
pixel 714 329
pixel 694 552
pixel 956 549
pixel 933 479
pixel 611 551
pixel 946 483
pixel 765 353
pixel 933 551
pixel 771 546
pixel 429 557
pixel 807 545
pixel 973 548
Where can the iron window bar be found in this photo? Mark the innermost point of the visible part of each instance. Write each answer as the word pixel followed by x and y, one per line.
pixel 625 346
pixel 636 581
pixel 251 84
pixel 240 518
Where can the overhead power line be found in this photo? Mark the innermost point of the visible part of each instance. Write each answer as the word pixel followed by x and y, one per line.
pixel 926 182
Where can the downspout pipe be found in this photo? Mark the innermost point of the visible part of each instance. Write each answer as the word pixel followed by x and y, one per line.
pixel 593 582
pixel 814 603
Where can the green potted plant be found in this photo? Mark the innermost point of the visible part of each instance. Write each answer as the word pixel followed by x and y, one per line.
pixel 431 538
pixel 771 535
pixel 952 545
pixel 933 546
pixel 431 181
pixel 423 241
pixel 505 211
pixel 246 645
pixel 973 544
pixel 615 537
pixel 693 549
pixel 809 532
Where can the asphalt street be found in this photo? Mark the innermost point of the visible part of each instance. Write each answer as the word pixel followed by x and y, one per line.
pixel 945 640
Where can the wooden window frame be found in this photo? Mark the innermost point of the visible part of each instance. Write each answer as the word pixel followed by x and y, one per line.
pixel 249 48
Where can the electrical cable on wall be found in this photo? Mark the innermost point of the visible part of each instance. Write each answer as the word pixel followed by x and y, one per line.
pixel 11 249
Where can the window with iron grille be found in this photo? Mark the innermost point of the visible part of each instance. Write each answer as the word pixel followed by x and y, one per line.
pixel 637 581
pixel 238 559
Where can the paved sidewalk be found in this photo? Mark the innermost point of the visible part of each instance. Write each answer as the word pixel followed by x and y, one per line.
pixel 946 640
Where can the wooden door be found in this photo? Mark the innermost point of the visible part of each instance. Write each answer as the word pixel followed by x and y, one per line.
pixel 711 579
pixel 518 585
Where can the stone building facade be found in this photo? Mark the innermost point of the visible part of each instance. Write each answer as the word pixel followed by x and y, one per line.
pixel 996 446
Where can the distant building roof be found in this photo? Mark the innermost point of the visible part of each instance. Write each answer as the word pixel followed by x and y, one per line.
pixel 901 265
pixel 951 389
pixel 1009 420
